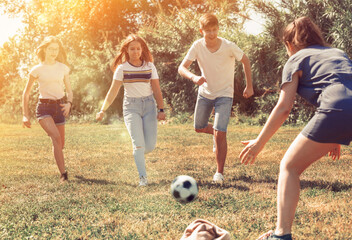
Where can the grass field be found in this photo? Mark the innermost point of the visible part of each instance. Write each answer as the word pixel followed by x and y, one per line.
pixel 102 200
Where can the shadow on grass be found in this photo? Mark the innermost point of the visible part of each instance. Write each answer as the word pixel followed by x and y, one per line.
pixel 209 185
pixel 331 186
pixel 225 185
pixel 250 179
pixel 81 179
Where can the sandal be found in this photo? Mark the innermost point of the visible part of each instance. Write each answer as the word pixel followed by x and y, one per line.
pixel 271 236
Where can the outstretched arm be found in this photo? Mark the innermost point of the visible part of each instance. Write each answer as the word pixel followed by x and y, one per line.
pixel 276 119
pixel 110 97
pixel 248 91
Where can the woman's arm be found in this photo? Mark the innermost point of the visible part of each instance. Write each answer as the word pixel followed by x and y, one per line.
pixel 109 98
pixel 158 97
pixel 66 108
pixel 25 101
pixel 274 122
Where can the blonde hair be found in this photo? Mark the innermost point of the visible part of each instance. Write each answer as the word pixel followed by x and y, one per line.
pixel 122 55
pixel 208 20
pixel 61 57
pixel 303 32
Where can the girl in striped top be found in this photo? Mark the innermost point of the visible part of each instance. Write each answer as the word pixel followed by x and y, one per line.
pixel 143 102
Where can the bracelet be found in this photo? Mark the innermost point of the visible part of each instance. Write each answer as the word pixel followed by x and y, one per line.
pixel 161 110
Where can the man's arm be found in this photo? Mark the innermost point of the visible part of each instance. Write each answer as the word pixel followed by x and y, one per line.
pixel 184 72
pixel 248 91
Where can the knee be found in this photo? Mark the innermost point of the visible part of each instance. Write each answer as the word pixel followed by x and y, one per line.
pixel 287 167
pixel 199 130
pixel 219 134
pixel 138 149
pixel 56 138
pixel 149 148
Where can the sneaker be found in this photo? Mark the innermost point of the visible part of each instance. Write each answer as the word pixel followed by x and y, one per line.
pixel 218 178
pixel 143 181
pixel 271 236
pixel 63 177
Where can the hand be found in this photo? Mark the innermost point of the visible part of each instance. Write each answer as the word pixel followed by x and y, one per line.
pixel 66 107
pixel 199 80
pixel 99 116
pixel 250 152
pixel 335 152
pixel 161 116
pixel 26 122
pixel 248 92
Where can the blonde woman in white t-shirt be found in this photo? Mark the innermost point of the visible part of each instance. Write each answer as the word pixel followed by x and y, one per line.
pixel 143 102
pixel 52 75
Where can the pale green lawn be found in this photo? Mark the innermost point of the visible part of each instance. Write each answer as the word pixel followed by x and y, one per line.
pixel 102 200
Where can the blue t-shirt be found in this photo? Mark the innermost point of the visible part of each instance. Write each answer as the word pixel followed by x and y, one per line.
pixel 326 73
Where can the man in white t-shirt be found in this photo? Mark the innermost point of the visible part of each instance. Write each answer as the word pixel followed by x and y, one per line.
pixel 216 58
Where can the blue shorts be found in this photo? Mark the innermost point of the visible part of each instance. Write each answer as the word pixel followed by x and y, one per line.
pixel 204 107
pixel 53 110
pixel 330 127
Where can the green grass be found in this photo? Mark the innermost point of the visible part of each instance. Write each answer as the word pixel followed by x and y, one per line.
pixel 102 200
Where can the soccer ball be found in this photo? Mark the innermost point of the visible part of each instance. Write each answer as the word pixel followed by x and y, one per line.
pixel 184 189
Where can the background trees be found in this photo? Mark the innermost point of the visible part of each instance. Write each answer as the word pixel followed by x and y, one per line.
pixel 92 30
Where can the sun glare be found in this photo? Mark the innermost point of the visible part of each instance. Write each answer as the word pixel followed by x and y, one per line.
pixel 9 27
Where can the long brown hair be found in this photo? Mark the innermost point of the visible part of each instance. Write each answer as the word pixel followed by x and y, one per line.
pixel 61 57
pixel 122 55
pixel 303 32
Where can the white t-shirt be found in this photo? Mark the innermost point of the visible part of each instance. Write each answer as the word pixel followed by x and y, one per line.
pixel 136 80
pixel 218 68
pixel 50 79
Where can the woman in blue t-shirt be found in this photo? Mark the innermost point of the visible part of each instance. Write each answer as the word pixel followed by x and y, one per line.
pixel 323 76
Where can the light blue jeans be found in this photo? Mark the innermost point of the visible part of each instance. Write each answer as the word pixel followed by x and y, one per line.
pixel 140 115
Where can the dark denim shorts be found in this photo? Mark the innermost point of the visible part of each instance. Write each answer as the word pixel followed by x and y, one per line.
pixel 52 109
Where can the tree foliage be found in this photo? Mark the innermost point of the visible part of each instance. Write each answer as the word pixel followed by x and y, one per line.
pixel 92 30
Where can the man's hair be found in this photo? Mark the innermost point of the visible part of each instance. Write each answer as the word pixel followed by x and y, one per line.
pixel 208 20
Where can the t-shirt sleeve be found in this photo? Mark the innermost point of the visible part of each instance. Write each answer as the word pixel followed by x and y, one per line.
pixel 192 52
pixel 118 74
pixel 290 68
pixel 237 52
pixel 154 72
pixel 66 70
pixel 34 72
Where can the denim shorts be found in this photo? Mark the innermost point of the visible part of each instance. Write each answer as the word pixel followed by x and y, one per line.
pixel 53 110
pixel 204 106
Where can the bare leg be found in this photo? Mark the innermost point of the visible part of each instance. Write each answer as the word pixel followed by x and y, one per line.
pixel 208 129
pixel 300 155
pixel 61 129
pixel 51 129
pixel 221 150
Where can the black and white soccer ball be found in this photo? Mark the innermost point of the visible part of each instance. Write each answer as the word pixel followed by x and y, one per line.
pixel 184 189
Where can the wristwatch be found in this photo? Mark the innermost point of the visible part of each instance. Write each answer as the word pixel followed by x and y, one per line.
pixel 161 110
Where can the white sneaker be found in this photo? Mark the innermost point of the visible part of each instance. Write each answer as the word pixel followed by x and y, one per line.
pixel 218 178
pixel 143 181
